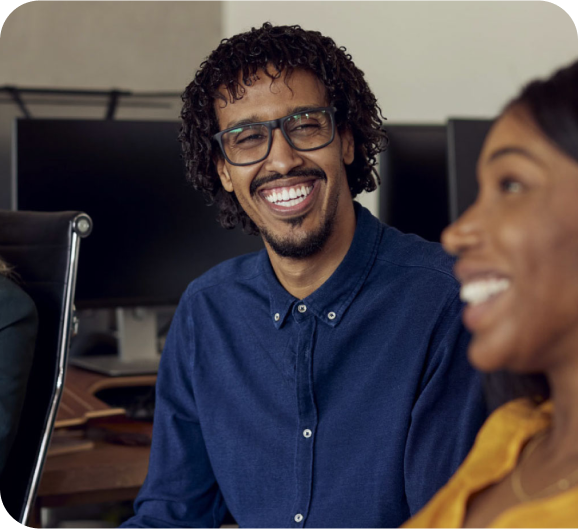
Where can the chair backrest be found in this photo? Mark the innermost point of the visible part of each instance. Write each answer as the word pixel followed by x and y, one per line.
pixel 43 249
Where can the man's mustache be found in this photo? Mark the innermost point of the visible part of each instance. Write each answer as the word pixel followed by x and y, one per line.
pixel 313 172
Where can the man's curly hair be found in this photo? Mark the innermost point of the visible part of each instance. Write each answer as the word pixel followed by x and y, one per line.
pixel 284 48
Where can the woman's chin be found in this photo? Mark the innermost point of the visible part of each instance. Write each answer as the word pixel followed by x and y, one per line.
pixel 486 357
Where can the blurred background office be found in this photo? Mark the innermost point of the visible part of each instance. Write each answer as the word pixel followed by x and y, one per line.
pixel 425 61
pixel 440 70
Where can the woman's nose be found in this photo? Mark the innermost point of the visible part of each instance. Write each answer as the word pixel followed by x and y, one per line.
pixel 463 234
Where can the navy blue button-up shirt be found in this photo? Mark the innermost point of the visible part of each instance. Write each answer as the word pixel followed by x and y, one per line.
pixel 348 408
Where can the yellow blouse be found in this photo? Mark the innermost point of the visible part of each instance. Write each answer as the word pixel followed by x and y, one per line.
pixel 493 456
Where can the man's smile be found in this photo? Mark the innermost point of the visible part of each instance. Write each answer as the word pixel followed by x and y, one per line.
pixel 271 181
pixel 288 196
pixel 291 194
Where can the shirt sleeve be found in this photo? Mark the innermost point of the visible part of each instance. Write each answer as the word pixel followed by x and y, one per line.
pixel 447 414
pixel 18 326
pixel 180 489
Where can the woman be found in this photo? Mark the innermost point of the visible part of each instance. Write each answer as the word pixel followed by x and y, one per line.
pixel 517 249
pixel 18 323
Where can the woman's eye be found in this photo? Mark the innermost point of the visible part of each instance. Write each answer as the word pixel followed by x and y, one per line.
pixel 509 185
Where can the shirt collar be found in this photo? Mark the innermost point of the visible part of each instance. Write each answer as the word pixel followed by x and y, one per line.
pixel 332 299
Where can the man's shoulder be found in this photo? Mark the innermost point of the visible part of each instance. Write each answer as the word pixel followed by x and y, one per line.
pixel 235 271
pixel 413 252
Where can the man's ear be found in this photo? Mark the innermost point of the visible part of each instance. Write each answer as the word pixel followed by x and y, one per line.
pixel 224 175
pixel 347 145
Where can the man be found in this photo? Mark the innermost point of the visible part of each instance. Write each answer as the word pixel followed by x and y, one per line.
pixel 322 381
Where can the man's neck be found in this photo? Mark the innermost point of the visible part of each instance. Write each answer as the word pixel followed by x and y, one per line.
pixel 302 277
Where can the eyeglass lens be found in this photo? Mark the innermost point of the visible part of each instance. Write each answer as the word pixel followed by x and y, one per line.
pixel 305 131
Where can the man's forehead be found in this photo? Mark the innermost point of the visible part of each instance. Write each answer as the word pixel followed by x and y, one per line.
pixel 263 92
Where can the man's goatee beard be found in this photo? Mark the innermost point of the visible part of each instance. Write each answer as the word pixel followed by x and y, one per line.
pixel 311 244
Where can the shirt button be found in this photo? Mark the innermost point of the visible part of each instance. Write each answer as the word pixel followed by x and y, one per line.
pixel 298 518
pixel 301 308
pixel 331 315
pixel 307 433
pixel 277 317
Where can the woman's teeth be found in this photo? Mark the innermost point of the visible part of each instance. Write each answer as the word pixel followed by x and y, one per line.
pixel 479 291
pixel 289 196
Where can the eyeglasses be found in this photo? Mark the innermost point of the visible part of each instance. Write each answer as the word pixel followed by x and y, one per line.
pixel 304 131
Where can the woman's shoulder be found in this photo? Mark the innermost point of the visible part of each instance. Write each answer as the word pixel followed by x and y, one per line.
pixel 513 414
pixel 494 453
pixel 500 440
pixel 15 304
pixel 509 425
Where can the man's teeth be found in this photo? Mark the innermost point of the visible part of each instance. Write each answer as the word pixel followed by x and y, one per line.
pixel 289 196
pixel 479 291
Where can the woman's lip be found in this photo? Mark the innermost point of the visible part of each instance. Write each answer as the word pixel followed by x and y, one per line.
pixel 483 315
pixel 467 273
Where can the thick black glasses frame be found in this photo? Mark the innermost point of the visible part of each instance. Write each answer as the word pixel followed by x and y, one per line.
pixel 278 124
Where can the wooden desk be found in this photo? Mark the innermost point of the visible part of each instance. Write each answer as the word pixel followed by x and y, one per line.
pixel 108 471
pixel 79 404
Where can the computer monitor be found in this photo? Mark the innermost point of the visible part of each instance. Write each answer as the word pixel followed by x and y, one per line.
pixel 153 233
pixel 465 140
pixel 413 171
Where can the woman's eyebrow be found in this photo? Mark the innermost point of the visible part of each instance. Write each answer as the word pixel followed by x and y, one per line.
pixel 504 151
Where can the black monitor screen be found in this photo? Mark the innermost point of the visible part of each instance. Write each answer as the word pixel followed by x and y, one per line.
pixel 465 140
pixel 152 234
pixel 413 170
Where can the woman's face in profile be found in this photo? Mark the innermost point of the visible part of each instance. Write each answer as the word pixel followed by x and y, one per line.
pixel 518 251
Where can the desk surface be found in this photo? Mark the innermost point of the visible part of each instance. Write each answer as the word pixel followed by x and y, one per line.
pixel 79 404
pixel 107 472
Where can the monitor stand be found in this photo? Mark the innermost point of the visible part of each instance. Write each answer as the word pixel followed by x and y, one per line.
pixel 137 346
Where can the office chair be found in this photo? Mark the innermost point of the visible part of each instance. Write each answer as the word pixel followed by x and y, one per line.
pixel 43 249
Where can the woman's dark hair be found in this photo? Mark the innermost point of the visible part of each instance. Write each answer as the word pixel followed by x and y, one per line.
pixel 277 51
pixel 503 386
pixel 5 268
pixel 553 105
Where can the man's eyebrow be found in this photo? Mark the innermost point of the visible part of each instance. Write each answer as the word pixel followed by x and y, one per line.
pixel 301 109
pixel 242 122
pixel 255 119
pixel 504 151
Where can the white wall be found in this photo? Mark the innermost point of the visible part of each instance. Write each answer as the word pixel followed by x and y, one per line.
pixel 131 45
pixel 134 46
pixel 427 61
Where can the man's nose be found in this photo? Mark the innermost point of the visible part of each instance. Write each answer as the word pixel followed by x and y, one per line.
pixel 282 157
